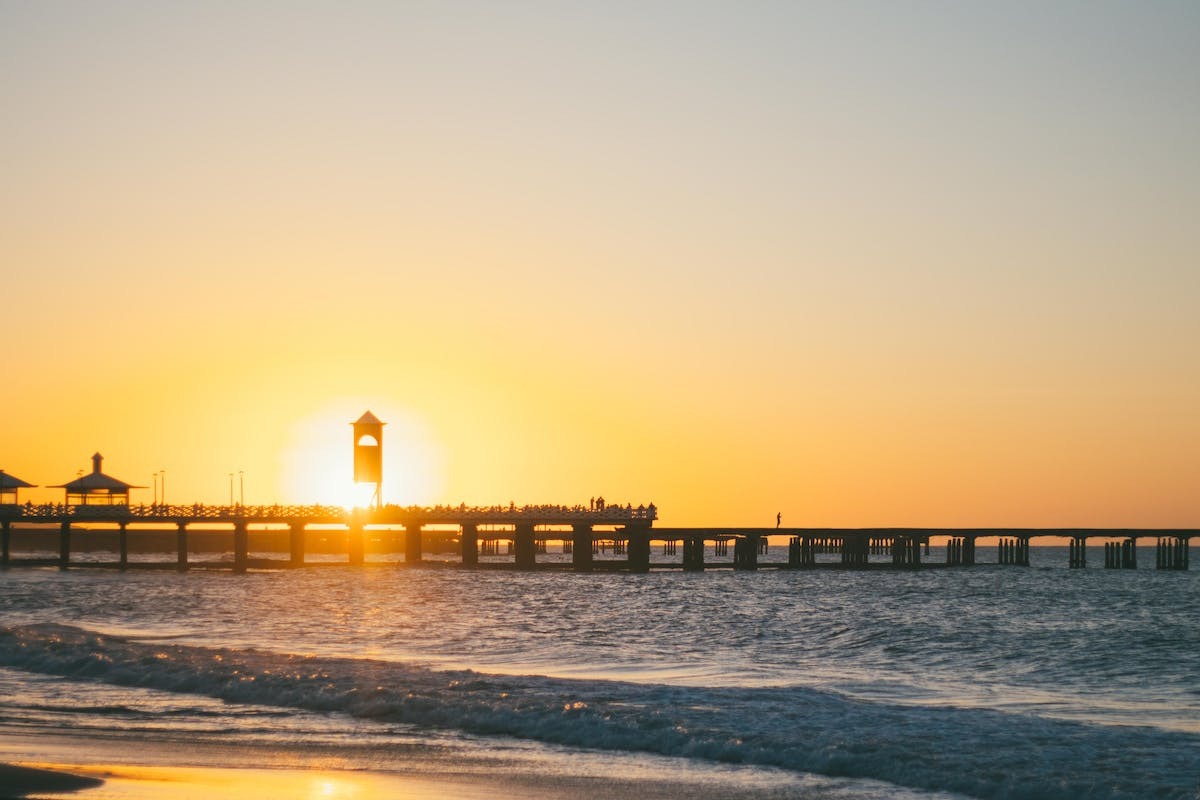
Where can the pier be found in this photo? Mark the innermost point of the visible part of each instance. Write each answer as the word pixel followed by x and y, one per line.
pixel 97 516
pixel 616 538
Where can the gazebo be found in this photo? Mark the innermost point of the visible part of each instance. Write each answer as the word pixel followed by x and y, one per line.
pixel 97 488
pixel 9 484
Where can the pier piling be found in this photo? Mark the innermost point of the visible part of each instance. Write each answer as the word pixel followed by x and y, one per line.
pixel 241 546
pixel 296 544
pixel 356 544
pixel 1078 556
pixel 122 545
pixel 468 543
pixel 181 546
pixel 1014 551
pixel 64 544
pixel 745 553
pixel 526 552
pixel 1172 553
pixel 954 552
pixel 412 544
pixel 5 542
pixel 637 547
pixel 581 547
pixel 855 551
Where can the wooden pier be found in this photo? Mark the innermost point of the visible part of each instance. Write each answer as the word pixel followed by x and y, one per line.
pixel 617 538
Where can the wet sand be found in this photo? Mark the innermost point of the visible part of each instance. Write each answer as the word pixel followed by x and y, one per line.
pixel 64 767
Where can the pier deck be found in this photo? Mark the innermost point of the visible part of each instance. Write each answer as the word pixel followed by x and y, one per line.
pixel 584 532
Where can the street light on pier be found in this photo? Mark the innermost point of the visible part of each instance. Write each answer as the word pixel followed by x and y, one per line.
pixel 163 485
pixel 155 488
pixel 241 488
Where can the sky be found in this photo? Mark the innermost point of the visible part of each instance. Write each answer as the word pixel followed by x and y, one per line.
pixel 857 263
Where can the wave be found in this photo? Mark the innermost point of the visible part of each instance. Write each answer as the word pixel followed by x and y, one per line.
pixel 980 753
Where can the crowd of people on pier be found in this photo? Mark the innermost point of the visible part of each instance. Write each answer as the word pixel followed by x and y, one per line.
pixel 596 509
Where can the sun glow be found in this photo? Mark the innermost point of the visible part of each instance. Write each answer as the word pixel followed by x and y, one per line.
pixel 318 463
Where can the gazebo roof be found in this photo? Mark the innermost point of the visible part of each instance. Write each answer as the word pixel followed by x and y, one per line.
pixel 97 481
pixel 13 482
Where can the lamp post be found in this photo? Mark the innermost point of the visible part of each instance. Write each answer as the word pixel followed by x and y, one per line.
pixel 163 487
pixel 155 476
pixel 241 488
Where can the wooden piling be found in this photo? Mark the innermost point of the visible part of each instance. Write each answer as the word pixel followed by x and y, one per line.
pixel 745 553
pixel 296 543
pixel 637 546
pixel 181 546
pixel 122 545
pixel 241 546
pixel 801 552
pixel 5 542
pixel 64 544
pixel 468 544
pixel 1078 552
pixel 526 552
pixel 855 551
pixel 412 543
pixel 356 544
pixel 581 547
pixel 954 550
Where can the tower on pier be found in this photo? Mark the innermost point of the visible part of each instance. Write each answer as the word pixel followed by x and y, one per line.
pixel 368 454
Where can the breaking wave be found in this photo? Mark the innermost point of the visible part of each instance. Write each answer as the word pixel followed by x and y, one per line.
pixel 962 750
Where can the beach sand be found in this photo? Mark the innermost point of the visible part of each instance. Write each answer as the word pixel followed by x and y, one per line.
pixel 58 768
pixel 108 782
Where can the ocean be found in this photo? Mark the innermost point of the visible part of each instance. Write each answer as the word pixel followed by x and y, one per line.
pixel 982 682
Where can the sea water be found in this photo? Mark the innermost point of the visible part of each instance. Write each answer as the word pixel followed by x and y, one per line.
pixel 986 682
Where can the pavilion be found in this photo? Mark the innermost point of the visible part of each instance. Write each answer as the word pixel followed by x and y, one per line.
pixel 97 488
pixel 9 484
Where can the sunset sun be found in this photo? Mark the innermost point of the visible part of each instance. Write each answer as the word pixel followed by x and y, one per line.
pixel 318 463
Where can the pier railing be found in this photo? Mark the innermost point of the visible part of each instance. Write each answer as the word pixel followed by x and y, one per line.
pixel 511 514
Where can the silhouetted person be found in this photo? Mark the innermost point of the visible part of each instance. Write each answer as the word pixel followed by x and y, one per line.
pixel 592 504
pixel 778 518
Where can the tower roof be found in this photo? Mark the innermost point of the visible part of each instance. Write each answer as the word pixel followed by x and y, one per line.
pixel 368 419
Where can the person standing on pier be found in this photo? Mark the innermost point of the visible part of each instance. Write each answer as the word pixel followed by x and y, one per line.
pixel 778 519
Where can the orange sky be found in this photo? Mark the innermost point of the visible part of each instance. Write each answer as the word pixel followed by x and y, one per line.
pixel 859 264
